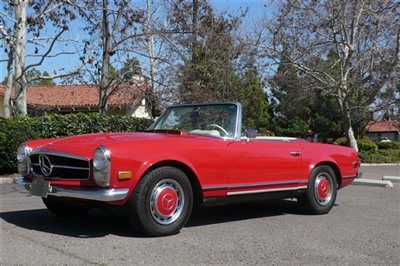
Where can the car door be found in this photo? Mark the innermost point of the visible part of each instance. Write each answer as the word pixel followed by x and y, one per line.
pixel 259 165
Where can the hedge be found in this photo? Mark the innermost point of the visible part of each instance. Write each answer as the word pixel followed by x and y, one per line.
pixel 17 130
pixel 375 152
pixel 366 145
pixel 380 156
pixel 388 145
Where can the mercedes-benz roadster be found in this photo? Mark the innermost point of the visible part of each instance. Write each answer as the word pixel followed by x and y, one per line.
pixel 191 155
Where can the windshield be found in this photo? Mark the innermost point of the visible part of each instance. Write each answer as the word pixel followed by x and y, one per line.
pixel 218 120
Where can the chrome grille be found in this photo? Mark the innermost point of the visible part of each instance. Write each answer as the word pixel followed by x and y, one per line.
pixel 54 165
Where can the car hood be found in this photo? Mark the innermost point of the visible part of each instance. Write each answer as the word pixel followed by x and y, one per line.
pixel 85 144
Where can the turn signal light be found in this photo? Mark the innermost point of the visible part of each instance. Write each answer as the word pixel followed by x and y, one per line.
pixel 124 175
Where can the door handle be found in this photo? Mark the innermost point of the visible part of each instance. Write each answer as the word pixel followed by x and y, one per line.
pixel 295 153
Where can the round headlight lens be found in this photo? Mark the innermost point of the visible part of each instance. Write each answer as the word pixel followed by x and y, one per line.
pixel 101 166
pixel 21 154
pixel 22 158
pixel 99 159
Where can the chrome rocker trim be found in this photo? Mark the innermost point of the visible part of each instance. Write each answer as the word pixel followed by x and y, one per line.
pixel 96 194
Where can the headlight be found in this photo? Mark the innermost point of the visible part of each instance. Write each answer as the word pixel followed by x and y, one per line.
pixel 101 166
pixel 23 159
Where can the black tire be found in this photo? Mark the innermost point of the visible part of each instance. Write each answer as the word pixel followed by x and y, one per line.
pixel 61 208
pixel 141 211
pixel 311 200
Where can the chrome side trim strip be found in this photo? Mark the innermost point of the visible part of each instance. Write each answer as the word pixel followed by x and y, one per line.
pixel 264 190
pixel 215 188
pixel 256 185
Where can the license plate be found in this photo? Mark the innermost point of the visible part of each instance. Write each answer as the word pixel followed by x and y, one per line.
pixel 40 188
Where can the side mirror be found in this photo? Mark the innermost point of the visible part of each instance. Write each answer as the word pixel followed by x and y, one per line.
pixel 251 133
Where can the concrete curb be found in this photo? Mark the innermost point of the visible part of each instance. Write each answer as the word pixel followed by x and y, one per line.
pixel 372 182
pixel 391 178
pixel 6 180
pixel 380 164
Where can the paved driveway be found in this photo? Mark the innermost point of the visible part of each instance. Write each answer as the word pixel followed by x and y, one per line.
pixel 377 172
pixel 364 228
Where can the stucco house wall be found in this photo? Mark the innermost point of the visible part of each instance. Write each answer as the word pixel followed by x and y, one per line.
pixel 377 130
pixel 378 136
pixel 140 110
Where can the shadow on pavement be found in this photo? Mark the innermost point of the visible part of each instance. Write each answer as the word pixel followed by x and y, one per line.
pixel 244 211
pixel 99 223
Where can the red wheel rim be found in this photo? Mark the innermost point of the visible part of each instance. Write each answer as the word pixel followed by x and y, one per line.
pixel 324 188
pixel 167 201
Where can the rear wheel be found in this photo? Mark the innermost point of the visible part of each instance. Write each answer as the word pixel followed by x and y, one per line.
pixel 321 192
pixel 61 208
pixel 161 203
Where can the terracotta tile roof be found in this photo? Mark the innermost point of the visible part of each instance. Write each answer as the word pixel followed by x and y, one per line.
pixel 383 126
pixel 60 96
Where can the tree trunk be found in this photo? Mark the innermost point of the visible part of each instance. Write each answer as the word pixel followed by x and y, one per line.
pixel 7 92
pixel 102 100
pixel 352 139
pixel 347 127
pixel 105 70
pixel 20 78
pixel 195 15
pixel 152 62
pixel 152 77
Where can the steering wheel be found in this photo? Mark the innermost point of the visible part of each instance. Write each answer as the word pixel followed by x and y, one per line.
pixel 221 129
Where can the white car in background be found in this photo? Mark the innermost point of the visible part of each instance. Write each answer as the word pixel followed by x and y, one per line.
pixel 385 139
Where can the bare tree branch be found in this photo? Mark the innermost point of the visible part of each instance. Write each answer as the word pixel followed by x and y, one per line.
pixel 46 54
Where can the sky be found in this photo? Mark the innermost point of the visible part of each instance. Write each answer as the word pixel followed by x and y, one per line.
pixel 256 9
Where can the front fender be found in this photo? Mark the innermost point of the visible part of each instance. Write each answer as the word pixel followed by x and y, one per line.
pixel 165 158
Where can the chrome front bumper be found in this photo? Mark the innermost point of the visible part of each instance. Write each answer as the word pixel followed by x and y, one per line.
pixel 97 194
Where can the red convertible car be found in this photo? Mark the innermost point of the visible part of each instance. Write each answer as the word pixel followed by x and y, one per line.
pixel 192 154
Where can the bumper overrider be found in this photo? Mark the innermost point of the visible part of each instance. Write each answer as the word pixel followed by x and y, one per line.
pixel 43 189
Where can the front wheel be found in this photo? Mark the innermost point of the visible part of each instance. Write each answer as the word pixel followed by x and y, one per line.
pixel 321 192
pixel 161 203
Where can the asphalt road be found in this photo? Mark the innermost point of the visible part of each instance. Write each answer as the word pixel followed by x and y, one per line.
pixel 364 228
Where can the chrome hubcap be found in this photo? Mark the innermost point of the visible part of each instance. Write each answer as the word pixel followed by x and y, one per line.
pixel 166 202
pixel 323 188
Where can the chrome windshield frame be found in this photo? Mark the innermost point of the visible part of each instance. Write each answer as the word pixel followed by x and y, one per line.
pixel 238 126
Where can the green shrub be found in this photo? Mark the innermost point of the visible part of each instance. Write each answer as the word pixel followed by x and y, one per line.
pixel 366 145
pixel 388 145
pixel 380 156
pixel 17 130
